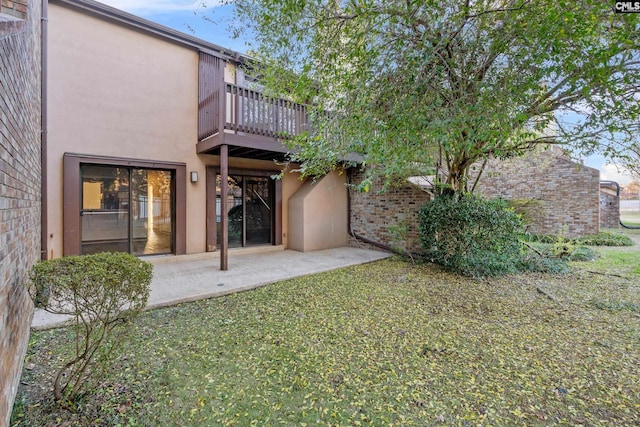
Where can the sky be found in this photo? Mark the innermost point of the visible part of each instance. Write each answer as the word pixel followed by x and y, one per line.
pixel 205 19
pixel 209 20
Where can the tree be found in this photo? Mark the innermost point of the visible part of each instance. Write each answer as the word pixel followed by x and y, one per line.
pixel 429 87
pixel 629 157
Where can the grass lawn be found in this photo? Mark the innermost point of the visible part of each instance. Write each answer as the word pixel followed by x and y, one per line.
pixel 630 218
pixel 388 343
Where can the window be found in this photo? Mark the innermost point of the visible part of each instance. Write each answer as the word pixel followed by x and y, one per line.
pixel 124 205
pixel 126 210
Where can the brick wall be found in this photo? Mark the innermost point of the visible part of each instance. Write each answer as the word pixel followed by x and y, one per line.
pixel 375 214
pixel 14 8
pixel 19 193
pixel 609 207
pixel 557 195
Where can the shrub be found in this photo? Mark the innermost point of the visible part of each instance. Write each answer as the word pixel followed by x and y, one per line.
pixel 399 239
pixel 540 238
pixel 541 263
pixel 530 210
pixel 604 238
pixel 560 252
pixel 470 235
pixel 102 293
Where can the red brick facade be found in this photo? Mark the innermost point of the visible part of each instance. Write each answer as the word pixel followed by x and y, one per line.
pixel 376 216
pixel 557 195
pixel 19 192
pixel 15 8
pixel 609 206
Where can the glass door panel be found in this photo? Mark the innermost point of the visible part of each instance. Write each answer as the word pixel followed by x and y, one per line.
pixel 151 212
pixel 235 212
pixel 126 210
pixel 105 209
pixel 258 208
pixel 249 210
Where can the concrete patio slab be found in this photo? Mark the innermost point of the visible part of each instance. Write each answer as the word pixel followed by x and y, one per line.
pixel 184 278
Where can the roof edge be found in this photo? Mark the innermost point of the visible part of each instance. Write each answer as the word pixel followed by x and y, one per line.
pixel 112 14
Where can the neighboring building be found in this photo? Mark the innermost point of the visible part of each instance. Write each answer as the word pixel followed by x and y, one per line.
pixel 386 219
pixel 145 123
pixel 153 142
pixel 20 100
pixel 555 194
pixel 609 204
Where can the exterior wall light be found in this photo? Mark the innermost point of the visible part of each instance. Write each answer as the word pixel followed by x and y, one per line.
pixel 194 176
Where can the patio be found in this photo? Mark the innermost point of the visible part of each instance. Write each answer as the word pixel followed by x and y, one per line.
pixel 184 278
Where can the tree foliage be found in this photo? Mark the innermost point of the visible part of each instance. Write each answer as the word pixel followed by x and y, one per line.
pixel 471 236
pixel 429 87
pixel 628 156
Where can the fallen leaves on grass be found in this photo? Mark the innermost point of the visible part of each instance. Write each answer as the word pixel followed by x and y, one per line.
pixel 387 343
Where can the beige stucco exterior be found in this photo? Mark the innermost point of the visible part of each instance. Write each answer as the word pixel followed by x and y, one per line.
pixel 116 92
pixel 318 214
pixel 121 92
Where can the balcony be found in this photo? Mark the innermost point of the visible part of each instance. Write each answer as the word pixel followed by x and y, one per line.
pixel 251 124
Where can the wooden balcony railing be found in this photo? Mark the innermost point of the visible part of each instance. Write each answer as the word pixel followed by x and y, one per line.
pixel 250 112
pixel 228 107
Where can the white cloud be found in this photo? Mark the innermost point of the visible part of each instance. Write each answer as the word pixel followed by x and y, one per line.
pixel 612 172
pixel 150 7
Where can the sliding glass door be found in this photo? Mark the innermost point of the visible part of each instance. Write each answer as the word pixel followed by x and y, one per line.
pixel 126 209
pixel 250 210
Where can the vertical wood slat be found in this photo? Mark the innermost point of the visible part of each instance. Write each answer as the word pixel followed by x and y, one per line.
pixel 210 95
pixel 251 112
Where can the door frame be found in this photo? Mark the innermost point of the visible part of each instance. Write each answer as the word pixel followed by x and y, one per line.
pixel 212 171
pixel 72 196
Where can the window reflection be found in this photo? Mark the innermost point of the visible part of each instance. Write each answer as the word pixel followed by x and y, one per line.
pixel 126 210
pixel 250 210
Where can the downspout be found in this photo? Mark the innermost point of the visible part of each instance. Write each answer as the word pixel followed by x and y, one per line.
pixel 631 227
pixel 358 237
pixel 43 130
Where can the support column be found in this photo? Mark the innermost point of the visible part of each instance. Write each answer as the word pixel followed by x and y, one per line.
pixel 224 208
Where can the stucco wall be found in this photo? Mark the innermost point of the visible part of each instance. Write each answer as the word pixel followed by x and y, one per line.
pixel 318 214
pixel 379 216
pixel 119 92
pixel 291 182
pixel 558 195
pixel 19 194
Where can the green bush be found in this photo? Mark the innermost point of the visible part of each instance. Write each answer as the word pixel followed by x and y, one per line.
pixel 102 293
pixel 470 235
pixel 399 240
pixel 561 251
pixel 604 238
pixel 530 210
pixel 540 238
pixel 541 263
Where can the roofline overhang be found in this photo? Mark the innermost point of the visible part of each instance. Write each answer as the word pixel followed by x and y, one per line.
pixel 151 28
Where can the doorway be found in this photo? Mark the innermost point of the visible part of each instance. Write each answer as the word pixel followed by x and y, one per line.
pixel 126 209
pixel 251 210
